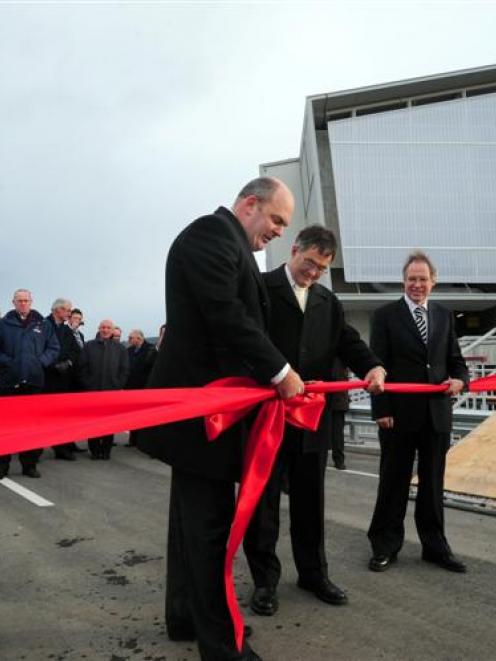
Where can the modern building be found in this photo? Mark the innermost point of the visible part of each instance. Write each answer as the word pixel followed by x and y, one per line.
pixel 401 166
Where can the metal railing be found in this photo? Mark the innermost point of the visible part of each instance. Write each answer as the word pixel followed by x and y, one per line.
pixel 361 430
pixel 470 342
pixel 469 409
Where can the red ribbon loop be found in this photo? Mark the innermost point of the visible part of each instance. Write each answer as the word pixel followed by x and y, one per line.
pixel 262 447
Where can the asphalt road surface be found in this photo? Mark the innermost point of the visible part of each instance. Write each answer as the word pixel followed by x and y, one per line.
pixel 83 574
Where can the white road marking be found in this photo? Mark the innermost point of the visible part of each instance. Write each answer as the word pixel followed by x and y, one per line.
pixel 354 472
pixel 25 493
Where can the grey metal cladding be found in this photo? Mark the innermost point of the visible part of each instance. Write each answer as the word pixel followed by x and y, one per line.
pixel 420 177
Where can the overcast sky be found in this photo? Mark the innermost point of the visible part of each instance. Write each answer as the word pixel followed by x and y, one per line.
pixel 122 122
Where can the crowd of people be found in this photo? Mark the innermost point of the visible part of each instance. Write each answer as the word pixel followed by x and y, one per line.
pixel 224 319
pixel 50 355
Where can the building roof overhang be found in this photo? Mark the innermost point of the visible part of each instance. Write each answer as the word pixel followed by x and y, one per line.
pixel 323 104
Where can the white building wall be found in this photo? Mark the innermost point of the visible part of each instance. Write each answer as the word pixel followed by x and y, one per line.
pixel 310 171
pixel 418 177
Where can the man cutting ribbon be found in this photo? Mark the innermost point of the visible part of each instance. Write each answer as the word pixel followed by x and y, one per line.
pixel 217 316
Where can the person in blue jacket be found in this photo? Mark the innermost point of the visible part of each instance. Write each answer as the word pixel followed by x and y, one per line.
pixel 28 345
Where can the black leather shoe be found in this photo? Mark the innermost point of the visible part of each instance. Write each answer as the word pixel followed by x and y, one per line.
pixel 4 471
pixel 324 590
pixel 447 561
pixel 340 466
pixel 31 472
pixel 264 601
pixel 381 561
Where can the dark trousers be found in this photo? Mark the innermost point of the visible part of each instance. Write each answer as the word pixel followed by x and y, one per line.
pixel 337 436
pixel 133 438
pixel 101 447
pixel 63 450
pixel 28 458
pixel 200 516
pixel 387 530
pixel 306 472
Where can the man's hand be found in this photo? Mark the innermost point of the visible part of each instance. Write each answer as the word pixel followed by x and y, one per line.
pixel 375 377
pixel 385 423
pixel 63 366
pixel 455 386
pixel 291 385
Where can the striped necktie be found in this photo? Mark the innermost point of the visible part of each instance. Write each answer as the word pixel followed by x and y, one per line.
pixel 419 314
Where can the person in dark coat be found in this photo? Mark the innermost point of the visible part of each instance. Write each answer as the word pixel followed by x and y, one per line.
pixel 307 325
pixel 28 346
pixel 103 365
pixel 217 314
pixel 416 339
pixel 75 322
pixel 141 356
pixel 59 377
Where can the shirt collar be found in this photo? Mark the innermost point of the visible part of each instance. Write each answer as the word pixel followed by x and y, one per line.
pixel 291 280
pixel 412 305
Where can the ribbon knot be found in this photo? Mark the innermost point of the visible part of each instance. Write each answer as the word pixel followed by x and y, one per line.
pixel 263 444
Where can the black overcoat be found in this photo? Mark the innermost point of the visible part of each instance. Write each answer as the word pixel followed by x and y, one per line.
pixel 311 341
pixel 140 365
pixel 103 365
pixel 217 315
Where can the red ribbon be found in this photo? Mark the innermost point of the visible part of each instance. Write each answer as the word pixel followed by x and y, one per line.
pixel 263 444
pixel 37 421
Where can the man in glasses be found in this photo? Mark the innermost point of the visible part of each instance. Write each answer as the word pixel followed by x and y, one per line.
pixel 307 325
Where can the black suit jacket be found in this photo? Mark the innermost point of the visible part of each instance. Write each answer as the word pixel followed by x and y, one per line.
pixel 217 315
pixel 311 341
pixel 395 338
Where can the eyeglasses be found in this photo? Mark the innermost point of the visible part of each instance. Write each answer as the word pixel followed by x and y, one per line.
pixel 309 264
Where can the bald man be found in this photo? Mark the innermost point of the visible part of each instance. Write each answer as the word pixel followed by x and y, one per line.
pixel 217 321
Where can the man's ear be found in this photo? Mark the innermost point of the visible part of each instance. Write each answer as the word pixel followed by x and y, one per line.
pixel 294 250
pixel 251 202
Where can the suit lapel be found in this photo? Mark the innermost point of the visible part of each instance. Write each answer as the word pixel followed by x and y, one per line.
pixel 434 324
pixel 315 297
pixel 278 279
pixel 407 320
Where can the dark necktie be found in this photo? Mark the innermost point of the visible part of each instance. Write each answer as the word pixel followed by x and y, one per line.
pixel 419 314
